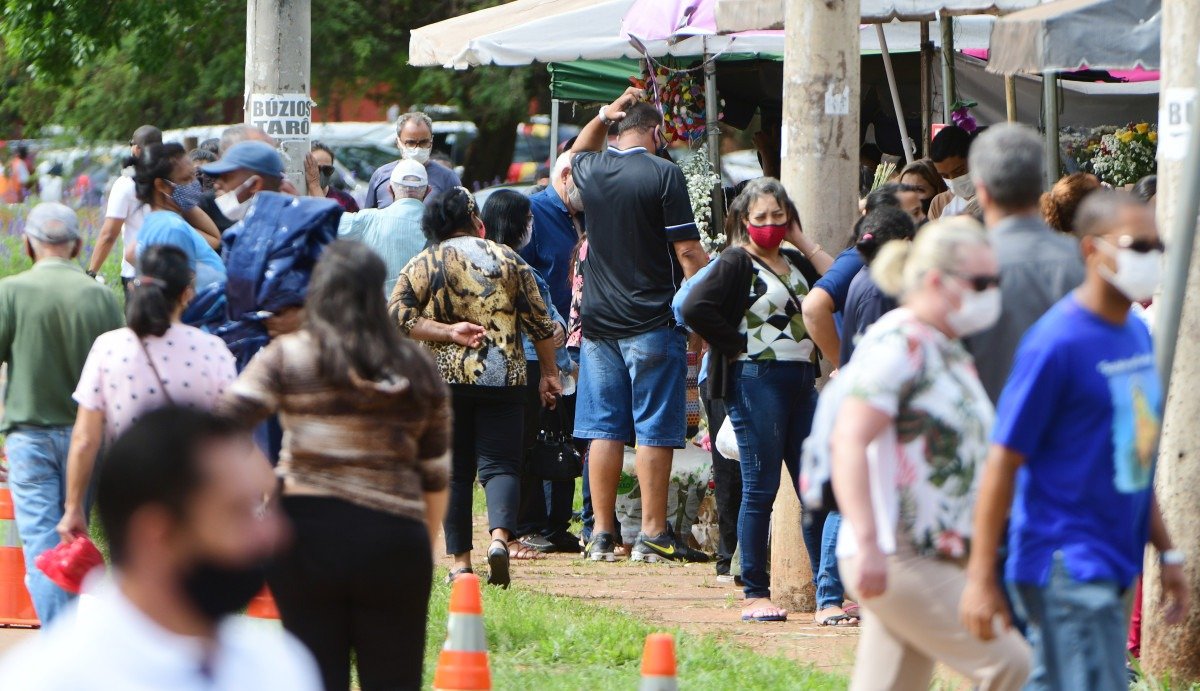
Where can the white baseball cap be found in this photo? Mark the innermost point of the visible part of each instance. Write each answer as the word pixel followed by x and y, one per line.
pixel 409 173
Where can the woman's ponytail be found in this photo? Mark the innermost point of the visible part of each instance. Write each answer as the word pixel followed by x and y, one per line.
pixel 164 275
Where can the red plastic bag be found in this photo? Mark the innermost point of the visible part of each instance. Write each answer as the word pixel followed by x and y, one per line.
pixel 68 563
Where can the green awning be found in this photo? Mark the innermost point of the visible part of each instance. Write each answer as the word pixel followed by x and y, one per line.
pixel 592 80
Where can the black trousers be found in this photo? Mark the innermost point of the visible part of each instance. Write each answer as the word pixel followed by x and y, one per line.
pixel 546 506
pixel 727 476
pixel 356 579
pixel 488 430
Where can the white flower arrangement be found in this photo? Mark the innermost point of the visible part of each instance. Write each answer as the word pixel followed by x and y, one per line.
pixel 1127 155
pixel 701 179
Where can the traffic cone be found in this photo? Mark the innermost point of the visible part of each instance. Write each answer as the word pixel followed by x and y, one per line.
pixel 463 662
pixel 658 663
pixel 16 607
pixel 263 606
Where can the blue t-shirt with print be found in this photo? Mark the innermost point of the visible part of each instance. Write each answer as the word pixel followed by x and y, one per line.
pixel 1084 406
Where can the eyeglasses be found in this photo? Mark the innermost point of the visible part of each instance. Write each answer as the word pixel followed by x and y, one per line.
pixel 418 143
pixel 979 283
pixel 326 170
pixel 1128 242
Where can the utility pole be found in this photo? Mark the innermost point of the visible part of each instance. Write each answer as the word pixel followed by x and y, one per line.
pixel 1173 649
pixel 278 63
pixel 821 68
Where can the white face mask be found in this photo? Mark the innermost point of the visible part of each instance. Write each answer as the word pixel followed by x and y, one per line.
pixel 961 186
pixel 233 208
pixel 1137 275
pixel 979 311
pixel 416 153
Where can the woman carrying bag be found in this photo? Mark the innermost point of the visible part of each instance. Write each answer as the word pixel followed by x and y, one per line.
pixel 763 364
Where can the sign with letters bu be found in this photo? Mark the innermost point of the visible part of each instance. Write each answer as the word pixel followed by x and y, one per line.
pixel 283 116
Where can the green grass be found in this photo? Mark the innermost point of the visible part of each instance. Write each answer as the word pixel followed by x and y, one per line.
pixel 559 644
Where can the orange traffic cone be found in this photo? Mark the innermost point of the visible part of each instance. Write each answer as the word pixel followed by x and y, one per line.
pixel 16 607
pixel 658 663
pixel 263 606
pixel 463 662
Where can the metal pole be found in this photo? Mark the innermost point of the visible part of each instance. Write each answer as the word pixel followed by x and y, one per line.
pixel 926 92
pixel 1010 97
pixel 948 86
pixel 278 61
pixel 553 132
pixel 712 128
pixel 1050 105
pixel 891 78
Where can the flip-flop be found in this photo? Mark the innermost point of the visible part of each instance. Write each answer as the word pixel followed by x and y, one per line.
pixel 851 609
pixel 758 616
pixel 520 550
pixel 836 620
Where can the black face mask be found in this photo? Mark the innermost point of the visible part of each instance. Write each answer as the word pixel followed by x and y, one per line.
pixel 218 591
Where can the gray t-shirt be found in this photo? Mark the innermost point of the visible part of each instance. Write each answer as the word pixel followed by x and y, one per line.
pixel 1038 266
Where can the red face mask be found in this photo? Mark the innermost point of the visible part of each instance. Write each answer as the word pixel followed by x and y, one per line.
pixel 767 237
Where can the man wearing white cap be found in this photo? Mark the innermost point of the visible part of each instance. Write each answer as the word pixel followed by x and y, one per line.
pixel 49 316
pixel 394 232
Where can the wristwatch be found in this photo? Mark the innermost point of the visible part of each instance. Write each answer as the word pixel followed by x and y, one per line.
pixel 604 117
pixel 1172 557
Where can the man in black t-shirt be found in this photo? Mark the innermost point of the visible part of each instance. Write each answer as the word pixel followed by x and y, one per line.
pixel 642 243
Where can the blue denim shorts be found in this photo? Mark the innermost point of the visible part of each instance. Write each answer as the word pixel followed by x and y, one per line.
pixel 633 389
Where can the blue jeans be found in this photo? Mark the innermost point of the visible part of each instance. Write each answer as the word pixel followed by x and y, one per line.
pixel 633 389
pixel 820 540
pixel 771 405
pixel 37 478
pixel 1077 631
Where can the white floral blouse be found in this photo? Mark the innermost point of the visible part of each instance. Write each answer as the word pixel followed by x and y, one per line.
pixel 923 469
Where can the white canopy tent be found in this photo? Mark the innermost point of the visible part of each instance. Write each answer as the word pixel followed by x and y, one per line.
pixel 528 31
pixel 750 15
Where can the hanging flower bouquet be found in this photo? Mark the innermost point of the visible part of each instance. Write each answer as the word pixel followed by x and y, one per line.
pixel 1127 155
pixel 701 179
pixel 679 94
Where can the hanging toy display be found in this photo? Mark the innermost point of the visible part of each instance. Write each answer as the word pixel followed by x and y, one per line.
pixel 679 95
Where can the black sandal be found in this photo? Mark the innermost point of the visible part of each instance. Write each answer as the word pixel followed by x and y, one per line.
pixel 497 557
pixel 455 573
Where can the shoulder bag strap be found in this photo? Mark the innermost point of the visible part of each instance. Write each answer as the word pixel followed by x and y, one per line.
pixel 796 301
pixel 154 369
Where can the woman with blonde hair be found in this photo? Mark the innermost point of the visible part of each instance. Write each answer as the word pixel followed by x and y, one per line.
pixel 909 439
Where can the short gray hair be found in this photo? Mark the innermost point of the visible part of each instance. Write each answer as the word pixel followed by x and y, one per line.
pixel 236 134
pixel 563 162
pixel 1007 160
pixel 416 115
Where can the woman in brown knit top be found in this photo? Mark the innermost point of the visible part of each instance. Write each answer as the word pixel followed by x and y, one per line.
pixel 365 467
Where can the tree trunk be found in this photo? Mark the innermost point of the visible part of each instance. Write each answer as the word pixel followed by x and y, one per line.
pixel 819 168
pixel 1175 650
pixel 491 153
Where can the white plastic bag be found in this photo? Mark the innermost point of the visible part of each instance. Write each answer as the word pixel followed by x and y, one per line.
pixel 726 441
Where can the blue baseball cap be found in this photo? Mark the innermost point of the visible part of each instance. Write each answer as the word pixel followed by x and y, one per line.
pixel 256 156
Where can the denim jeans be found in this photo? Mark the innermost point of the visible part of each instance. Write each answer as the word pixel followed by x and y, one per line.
pixel 37 478
pixel 1077 630
pixel 820 540
pixel 771 405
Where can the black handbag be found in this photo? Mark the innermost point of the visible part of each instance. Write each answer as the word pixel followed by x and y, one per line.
pixel 553 455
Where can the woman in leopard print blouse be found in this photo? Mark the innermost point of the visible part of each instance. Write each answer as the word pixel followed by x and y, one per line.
pixel 469 299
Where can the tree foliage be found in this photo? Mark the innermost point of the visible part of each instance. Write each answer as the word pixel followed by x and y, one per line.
pixel 100 69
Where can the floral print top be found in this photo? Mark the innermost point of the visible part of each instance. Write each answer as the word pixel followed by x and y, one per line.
pixel 923 469
pixel 574 324
pixel 470 279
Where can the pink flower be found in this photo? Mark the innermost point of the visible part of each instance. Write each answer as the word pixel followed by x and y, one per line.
pixel 951 544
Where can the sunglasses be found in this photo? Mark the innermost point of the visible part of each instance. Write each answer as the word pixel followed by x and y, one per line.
pixel 1127 242
pixel 326 170
pixel 979 283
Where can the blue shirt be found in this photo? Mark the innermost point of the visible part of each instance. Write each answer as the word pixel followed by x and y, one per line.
pixel 677 308
pixel 551 245
pixel 379 195
pixel 836 281
pixel 1083 405
pixel 394 233
pixel 169 228
pixel 561 357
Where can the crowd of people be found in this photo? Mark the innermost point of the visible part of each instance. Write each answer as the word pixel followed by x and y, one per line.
pixel 993 382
